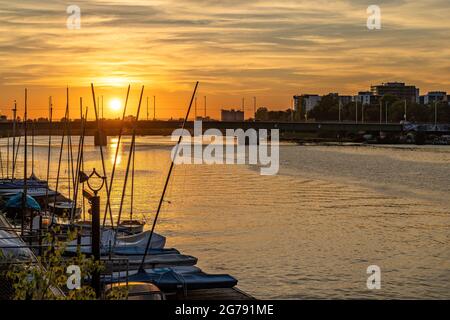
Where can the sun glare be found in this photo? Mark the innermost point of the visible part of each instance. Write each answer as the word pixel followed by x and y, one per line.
pixel 115 105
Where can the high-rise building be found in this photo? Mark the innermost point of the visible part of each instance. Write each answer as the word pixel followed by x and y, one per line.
pixel 366 97
pixel 398 89
pixel 433 96
pixel 306 102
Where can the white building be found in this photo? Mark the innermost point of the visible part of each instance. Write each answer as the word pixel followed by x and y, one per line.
pixel 433 96
pixel 364 97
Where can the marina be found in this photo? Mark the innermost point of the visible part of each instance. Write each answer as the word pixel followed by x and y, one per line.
pixel 131 254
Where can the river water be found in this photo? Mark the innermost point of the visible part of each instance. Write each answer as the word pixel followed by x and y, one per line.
pixel 309 232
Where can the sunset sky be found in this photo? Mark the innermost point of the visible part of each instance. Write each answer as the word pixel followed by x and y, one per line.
pixel 268 49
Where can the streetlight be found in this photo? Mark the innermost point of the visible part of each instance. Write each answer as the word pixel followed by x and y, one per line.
pixel 340 106
pixel 381 111
pixel 94 200
pixel 405 111
pixel 362 113
pixel 386 105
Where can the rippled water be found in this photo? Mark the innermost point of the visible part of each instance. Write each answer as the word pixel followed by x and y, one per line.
pixel 310 231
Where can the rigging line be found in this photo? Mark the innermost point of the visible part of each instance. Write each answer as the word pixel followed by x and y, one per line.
pixel 132 183
pixel 16 156
pixel 70 168
pixel 14 139
pixel 1 164
pixel 80 150
pixel 161 200
pixel 69 149
pixel 108 196
pixel 133 141
pixel 32 149
pixel 49 152
pixel 7 157
pixel 82 169
pixel 25 186
pixel 101 152
pixel 61 150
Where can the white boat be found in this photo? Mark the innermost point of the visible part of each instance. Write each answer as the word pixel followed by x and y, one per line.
pixel 124 245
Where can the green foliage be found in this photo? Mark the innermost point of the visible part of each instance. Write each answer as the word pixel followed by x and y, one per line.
pixel 41 283
pixel 263 114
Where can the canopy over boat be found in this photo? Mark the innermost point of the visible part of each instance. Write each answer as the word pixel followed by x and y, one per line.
pixel 33 182
pixel 15 202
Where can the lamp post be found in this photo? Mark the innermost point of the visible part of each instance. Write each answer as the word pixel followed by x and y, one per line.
pixel 386 105
pixel 94 200
pixel 340 107
pixel 405 111
pixel 435 113
pixel 381 111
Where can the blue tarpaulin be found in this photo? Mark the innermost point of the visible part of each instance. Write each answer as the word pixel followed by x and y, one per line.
pixel 16 202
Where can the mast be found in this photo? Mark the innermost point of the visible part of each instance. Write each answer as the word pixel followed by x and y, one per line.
pixel 132 182
pixel 101 151
pixel 108 202
pixel 133 141
pixel 25 173
pixel 50 111
pixel 161 200
pixel 14 138
pixel 1 164
pixel 7 157
pixel 78 166
pixel 61 150
pixel 32 150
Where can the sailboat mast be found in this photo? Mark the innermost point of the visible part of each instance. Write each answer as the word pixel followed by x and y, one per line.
pixel 14 138
pixel 161 200
pixel 25 173
pixel 99 129
pixel 108 202
pixel 49 150
pixel 133 141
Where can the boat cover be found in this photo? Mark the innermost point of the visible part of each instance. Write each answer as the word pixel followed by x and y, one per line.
pixel 164 260
pixel 187 278
pixel 15 202
pixel 125 245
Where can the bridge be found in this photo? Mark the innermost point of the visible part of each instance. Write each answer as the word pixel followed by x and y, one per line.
pixel 156 127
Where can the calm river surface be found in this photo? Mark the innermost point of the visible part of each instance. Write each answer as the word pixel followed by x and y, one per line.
pixel 309 232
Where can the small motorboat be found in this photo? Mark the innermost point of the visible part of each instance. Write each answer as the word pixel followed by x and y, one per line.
pixel 161 260
pixel 120 245
pixel 64 209
pixel 131 226
pixel 176 278
pixel 138 290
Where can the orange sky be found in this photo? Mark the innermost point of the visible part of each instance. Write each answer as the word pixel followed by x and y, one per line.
pixel 271 50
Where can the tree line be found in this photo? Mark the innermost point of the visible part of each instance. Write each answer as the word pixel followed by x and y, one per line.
pixel 328 109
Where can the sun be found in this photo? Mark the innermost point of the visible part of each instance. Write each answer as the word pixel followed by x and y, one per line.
pixel 115 104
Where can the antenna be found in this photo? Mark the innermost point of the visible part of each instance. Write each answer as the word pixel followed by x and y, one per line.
pixel 154 107
pixel 205 108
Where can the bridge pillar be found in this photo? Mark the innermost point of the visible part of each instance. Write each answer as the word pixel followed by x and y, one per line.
pixel 100 138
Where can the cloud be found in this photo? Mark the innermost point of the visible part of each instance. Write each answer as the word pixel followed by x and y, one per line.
pixel 233 46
